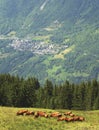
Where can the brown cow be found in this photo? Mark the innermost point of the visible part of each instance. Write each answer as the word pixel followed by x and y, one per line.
pixel 76 118
pixel 29 113
pixel 21 112
pixel 68 113
pixel 72 115
pixel 61 118
pixel 55 114
pixel 69 119
pixel 41 113
pixel 81 118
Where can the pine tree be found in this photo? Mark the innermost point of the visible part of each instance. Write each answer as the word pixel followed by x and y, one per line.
pixel 28 97
pixel 88 95
pixel 95 91
pixel 48 88
pixel 77 98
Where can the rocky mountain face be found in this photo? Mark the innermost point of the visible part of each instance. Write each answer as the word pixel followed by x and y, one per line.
pixel 51 39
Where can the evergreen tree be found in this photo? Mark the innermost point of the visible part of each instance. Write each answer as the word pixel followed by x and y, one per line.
pixel 66 96
pixel 95 91
pixel 28 97
pixel 40 98
pixel 77 98
pixel 34 82
pixel 16 94
pixel 83 95
pixel 15 91
pixel 48 88
pixel 88 93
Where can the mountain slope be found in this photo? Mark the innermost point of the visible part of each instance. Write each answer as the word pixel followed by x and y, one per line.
pixel 56 39
pixel 26 14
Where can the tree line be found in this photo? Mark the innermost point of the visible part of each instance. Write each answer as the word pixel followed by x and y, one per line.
pixel 20 92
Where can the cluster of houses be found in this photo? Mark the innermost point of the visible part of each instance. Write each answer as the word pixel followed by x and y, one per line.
pixel 36 47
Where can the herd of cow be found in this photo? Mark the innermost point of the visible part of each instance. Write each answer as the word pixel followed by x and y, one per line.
pixel 66 116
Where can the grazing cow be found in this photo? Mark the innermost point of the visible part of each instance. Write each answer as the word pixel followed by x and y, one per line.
pixel 81 118
pixel 68 113
pixel 72 115
pixel 61 118
pixel 21 112
pixel 69 119
pixel 29 113
pixel 76 118
pixel 55 114
pixel 42 114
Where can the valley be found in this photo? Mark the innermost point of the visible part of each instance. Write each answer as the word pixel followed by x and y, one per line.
pixel 56 39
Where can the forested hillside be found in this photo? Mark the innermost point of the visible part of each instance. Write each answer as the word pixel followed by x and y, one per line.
pixel 18 92
pixel 53 39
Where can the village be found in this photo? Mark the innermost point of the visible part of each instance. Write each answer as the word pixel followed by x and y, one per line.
pixel 36 47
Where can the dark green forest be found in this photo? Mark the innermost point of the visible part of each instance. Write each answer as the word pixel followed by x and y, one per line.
pixel 16 91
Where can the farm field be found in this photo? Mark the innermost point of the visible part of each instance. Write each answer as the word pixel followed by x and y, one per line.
pixel 9 120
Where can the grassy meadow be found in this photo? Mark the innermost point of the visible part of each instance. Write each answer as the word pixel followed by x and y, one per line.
pixel 9 120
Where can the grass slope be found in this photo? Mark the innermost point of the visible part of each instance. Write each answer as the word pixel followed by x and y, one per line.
pixel 9 121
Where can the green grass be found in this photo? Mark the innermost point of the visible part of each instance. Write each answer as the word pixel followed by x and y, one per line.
pixel 41 38
pixel 9 121
pixel 53 69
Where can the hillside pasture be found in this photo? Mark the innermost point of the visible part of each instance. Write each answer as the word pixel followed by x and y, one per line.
pixel 10 121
